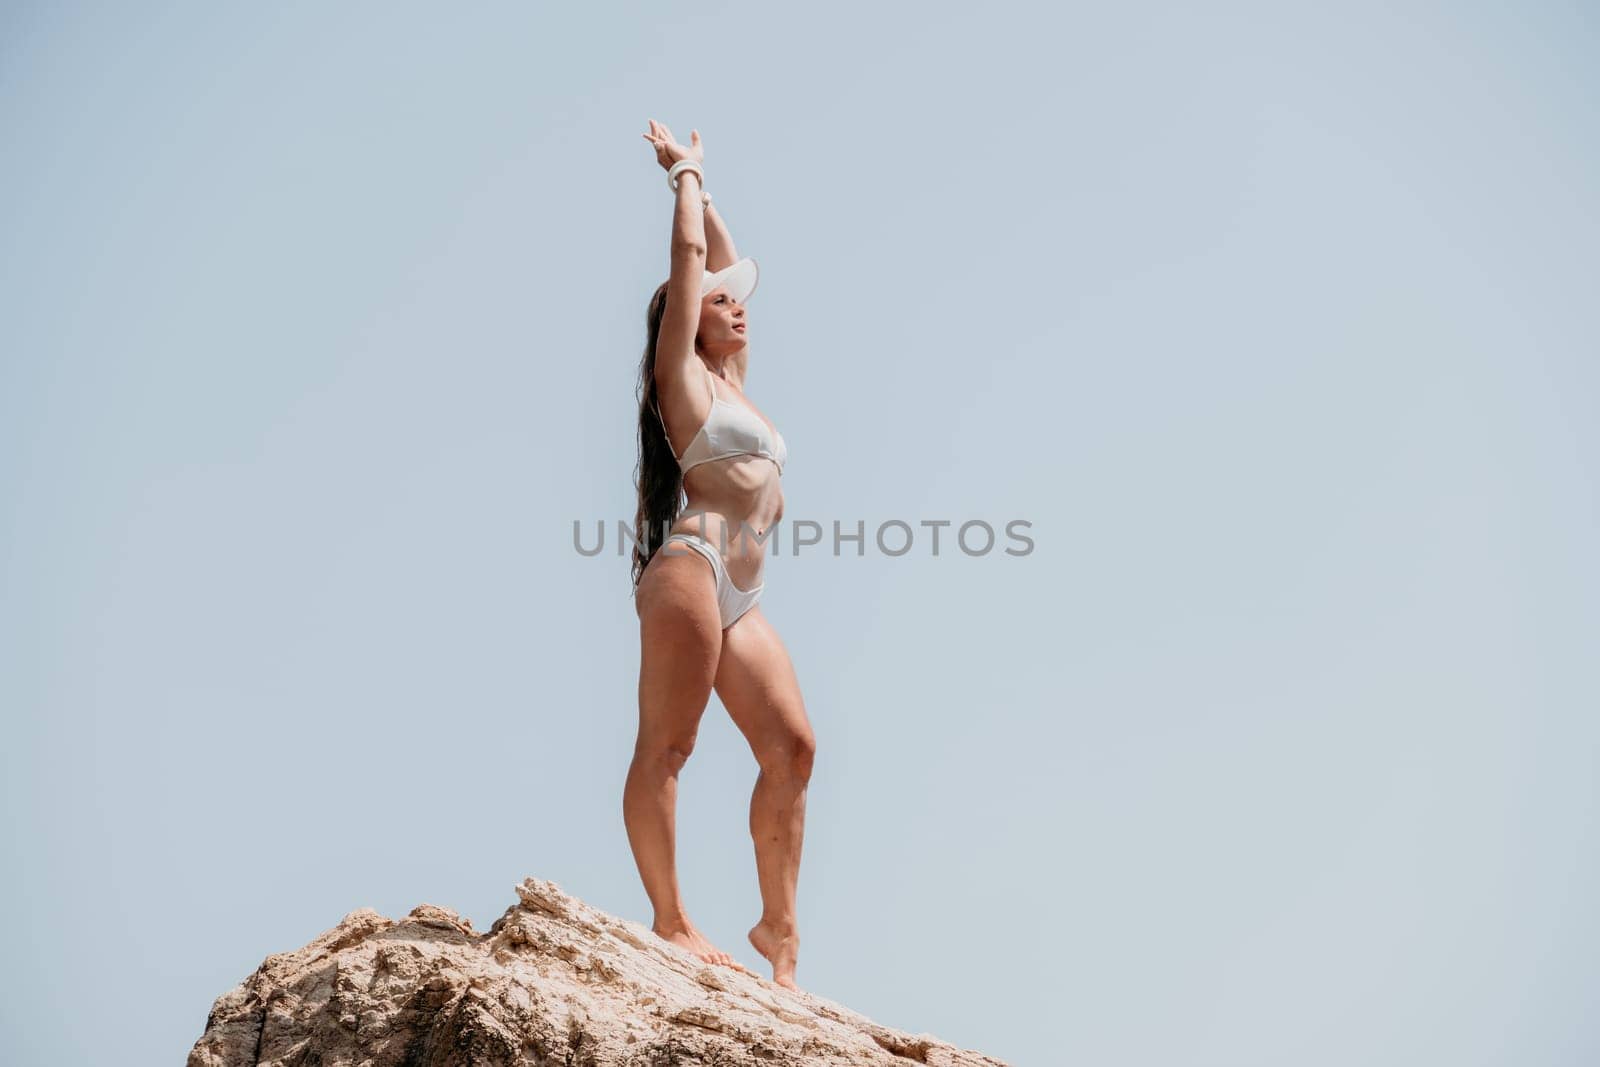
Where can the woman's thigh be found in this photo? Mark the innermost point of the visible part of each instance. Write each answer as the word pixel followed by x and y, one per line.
pixel 756 682
pixel 680 640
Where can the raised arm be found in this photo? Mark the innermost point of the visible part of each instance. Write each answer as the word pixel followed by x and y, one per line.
pixel 719 242
pixel 681 320
pixel 720 253
pixel 676 374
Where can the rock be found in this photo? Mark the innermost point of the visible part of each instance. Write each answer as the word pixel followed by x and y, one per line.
pixel 553 982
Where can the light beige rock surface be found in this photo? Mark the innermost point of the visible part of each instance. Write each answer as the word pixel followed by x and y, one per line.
pixel 554 981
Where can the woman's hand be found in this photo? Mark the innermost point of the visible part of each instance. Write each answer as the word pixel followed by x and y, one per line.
pixel 669 151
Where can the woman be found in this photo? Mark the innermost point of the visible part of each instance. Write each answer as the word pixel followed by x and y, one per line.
pixel 697 590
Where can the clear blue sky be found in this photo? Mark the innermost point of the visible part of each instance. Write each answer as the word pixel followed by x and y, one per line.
pixel 318 329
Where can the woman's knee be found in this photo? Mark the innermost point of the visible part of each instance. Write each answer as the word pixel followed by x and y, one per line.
pixel 667 752
pixel 790 756
pixel 805 754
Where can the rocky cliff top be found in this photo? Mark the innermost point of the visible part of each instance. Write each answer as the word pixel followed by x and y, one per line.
pixel 553 981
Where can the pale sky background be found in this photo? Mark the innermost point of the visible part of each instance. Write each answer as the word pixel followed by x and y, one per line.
pixel 320 326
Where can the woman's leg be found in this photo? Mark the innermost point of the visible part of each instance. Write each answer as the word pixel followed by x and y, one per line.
pixel 679 640
pixel 757 684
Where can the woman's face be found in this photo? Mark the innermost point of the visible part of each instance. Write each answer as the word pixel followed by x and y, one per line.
pixel 722 321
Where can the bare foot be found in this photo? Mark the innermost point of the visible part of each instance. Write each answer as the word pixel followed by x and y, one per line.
pixel 687 936
pixel 780 945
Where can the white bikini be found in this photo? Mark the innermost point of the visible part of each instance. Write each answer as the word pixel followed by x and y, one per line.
pixel 732 429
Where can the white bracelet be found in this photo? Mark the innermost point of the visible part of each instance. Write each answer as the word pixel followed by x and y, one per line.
pixel 679 167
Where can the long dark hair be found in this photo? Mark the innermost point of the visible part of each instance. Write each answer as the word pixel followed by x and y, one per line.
pixel 656 477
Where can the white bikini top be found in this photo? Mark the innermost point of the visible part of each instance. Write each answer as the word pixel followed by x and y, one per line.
pixel 732 429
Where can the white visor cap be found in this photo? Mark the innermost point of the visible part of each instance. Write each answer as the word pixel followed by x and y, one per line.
pixel 740 278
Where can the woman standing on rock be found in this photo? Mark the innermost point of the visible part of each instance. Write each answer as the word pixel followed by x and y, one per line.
pixel 697 590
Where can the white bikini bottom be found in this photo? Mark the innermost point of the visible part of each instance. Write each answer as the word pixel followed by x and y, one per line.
pixel 732 601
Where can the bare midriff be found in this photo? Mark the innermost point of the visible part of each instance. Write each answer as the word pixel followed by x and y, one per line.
pixel 734 503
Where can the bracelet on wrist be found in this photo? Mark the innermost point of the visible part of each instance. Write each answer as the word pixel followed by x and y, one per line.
pixel 679 167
